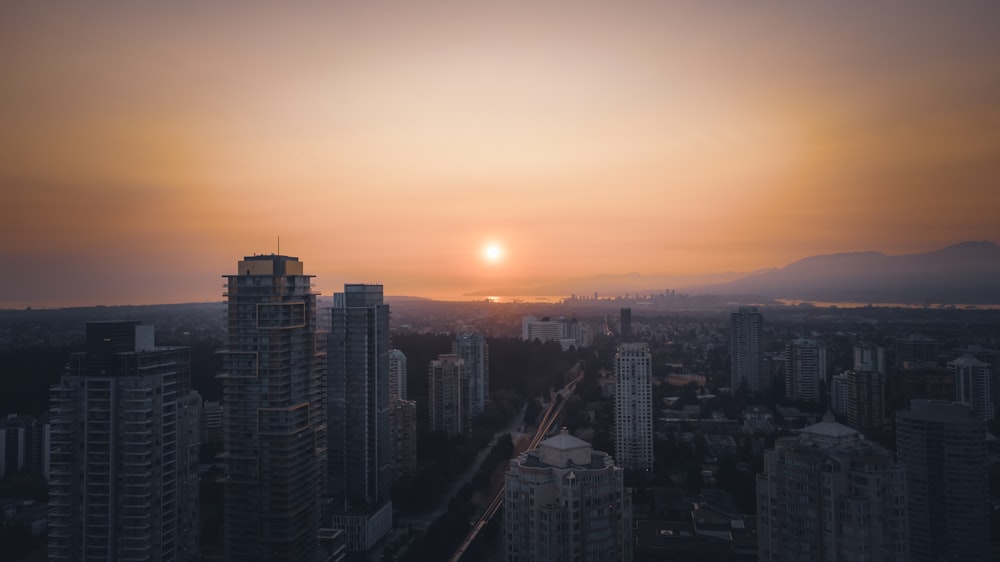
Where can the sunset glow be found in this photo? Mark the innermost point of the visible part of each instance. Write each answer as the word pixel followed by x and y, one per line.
pixel 492 253
pixel 145 147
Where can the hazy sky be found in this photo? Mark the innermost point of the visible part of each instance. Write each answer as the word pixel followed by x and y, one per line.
pixel 146 146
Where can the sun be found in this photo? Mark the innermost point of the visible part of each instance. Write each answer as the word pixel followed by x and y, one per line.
pixel 492 252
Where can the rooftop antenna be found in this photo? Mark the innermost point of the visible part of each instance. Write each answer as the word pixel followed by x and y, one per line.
pixel 279 244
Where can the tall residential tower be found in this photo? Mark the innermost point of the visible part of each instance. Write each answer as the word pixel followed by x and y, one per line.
pixel 273 412
pixel 359 464
pixel 472 349
pixel 124 459
pixel 747 349
pixel 942 446
pixel 633 407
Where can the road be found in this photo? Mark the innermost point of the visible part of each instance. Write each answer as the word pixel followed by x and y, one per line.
pixel 550 416
pixel 425 519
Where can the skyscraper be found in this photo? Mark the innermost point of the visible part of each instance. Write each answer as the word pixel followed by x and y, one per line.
pixel 827 494
pixel 565 501
pixel 805 369
pixel 360 448
pixel 869 357
pixel 397 374
pixel 942 445
pixel 625 321
pixel 273 412
pixel 473 350
pixel 633 407
pixel 865 400
pixel 747 349
pixel 974 385
pixel 403 432
pixel 447 395
pixel 124 457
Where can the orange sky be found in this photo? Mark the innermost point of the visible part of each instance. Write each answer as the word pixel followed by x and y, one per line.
pixel 145 147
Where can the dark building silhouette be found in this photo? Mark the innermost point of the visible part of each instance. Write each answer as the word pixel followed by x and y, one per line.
pixel 625 322
pixel 273 412
pixel 865 400
pixel 942 446
pixel 359 462
pixel 448 395
pixel 746 349
pixel 124 450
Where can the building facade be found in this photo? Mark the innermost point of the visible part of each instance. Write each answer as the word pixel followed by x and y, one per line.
pixel 974 385
pixel 274 423
pixel 805 369
pixel 24 445
pixel 403 432
pixel 829 495
pixel 634 407
pixel 447 395
pixel 569 333
pixel 869 357
pixel 746 350
pixel 473 350
pixel 838 394
pixel 564 502
pixel 397 374
pixel 942 445
pixel 124 450
pixel 359 464
pixel 865 400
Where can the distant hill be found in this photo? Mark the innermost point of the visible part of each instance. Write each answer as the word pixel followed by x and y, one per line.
pixel 966 273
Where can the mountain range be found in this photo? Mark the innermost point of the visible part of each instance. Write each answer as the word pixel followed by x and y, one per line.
pixel 965 273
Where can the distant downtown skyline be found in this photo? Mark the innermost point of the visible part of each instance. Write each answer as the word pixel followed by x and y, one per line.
pixel 146 146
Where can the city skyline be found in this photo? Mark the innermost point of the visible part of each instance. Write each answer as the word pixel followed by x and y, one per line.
pixel 506 144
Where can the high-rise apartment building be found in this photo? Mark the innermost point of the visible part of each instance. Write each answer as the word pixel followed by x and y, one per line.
pixel 397 374
pixel 838 394
pixel 869 357
pixel 24 445
pixel 473 350
pixel 403 432
pixel 746 350
pixel 827 494
pixel 274 421
pixel 124 450
pixel 974 385
pixel 865 400
pixel 625 322
pixel 942 446
pixel 565 501
pixel 359 464
pixel 447 395
pixel 805 369
pixel 633 406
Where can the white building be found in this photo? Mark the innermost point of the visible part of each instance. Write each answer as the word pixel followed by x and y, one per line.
pixel 397 374
pixel 633 406
pixel 569 333
pixel 565 501
pixel 827 494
